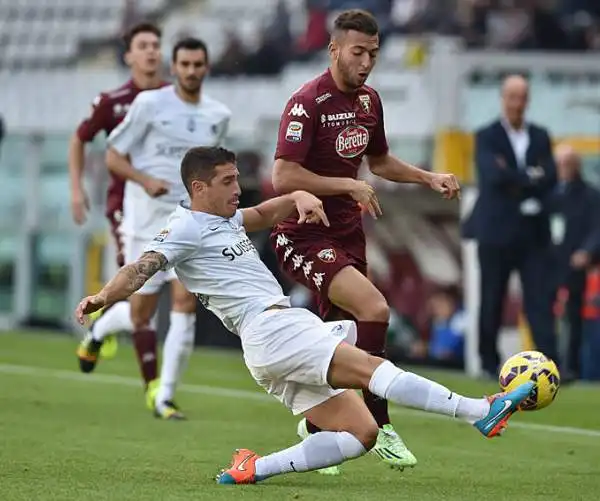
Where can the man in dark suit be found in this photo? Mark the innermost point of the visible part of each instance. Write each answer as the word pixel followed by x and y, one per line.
pixel 516 174
pixel 575 218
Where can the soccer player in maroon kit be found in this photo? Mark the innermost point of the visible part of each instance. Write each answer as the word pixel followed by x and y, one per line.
pixel 109 108
pixel 326 129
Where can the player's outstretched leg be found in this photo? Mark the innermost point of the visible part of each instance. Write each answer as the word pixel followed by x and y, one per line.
pixel 353 368
pixel 319 450
pixel 351 291
pixel 177 349
pixel 101 339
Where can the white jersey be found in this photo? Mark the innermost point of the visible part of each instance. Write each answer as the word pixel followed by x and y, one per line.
pixel 215 260
pixel 157 131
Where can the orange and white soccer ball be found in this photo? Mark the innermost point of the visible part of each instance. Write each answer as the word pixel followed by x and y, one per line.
pixel 531 366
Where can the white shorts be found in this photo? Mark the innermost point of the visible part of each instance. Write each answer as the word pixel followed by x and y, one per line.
pixel 133 249
pixel 288 352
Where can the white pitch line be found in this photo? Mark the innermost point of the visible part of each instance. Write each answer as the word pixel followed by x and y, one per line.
pixel 24 370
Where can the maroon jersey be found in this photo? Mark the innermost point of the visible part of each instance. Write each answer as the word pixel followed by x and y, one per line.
pixel 328 132
pixel 108 109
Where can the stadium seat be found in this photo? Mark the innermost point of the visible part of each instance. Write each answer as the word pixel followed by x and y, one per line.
pixel 26 26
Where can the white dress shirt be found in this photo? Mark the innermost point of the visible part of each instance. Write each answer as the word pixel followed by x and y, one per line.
pixel 519 140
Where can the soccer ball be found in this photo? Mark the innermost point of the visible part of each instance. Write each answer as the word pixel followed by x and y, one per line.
pixel 531 366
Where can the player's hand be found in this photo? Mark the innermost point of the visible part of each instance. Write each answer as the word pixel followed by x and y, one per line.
pixel 365 195
pixel 580 259
pixel 310 209
pixel 446 184
pixel 156 187
pixel 88 305
pixel 80 205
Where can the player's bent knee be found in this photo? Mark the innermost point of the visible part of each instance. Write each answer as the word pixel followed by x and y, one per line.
pixel 380 311
pixel 351 367
pixel 369 435
pixel 353 446
pixel 181 300
pixel 184 305
pixel 372 309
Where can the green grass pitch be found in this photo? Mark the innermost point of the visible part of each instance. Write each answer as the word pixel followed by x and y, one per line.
pixel 70 436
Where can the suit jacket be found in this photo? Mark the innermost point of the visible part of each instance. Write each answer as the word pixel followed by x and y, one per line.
pixel 579 204
pixel 497 218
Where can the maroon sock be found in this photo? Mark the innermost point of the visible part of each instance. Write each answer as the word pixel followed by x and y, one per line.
pixel 312 428
pixel 144 341
pixel 371 338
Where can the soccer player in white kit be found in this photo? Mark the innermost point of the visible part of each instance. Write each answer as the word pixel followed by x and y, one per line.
pixel 302 361
pixel 146 150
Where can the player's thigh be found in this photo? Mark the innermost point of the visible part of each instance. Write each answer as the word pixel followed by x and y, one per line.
pixel 351 367
pixel 345 411
pixel 312 264
pixel 289 352
pixel 143 307
pixel 182 300
pixel 353 292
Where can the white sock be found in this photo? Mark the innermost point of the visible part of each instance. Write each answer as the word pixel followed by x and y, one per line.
pixel 116 319
pixel 406 388
pixel 177 349
pixel 320 450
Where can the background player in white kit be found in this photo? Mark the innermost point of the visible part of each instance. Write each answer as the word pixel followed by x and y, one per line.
pixel 146 150
pixel 302 361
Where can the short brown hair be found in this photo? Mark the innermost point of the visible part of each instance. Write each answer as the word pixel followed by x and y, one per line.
pixel 200 163
pixel 356 20
pixel 136 29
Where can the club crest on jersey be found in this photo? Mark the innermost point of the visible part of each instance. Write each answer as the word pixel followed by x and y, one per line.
pixel 191 124
pixel 162 235
pixel 293 134
pixel 352 141
pixel 365 102
pixel 327 255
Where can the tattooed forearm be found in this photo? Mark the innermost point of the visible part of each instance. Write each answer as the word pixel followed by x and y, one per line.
pixel 132 277
pixel 140 272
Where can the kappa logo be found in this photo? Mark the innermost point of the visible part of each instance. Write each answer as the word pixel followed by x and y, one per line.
pixel 298 111
pixel 327 255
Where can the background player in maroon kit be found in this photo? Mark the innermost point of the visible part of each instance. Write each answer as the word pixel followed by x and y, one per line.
pixel 328 126
pixel 143 55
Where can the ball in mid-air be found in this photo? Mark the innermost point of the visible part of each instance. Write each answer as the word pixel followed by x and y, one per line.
pixel 531 366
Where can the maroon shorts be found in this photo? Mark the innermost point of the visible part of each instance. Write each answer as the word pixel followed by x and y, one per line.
pixel 115 218
pixel 313 264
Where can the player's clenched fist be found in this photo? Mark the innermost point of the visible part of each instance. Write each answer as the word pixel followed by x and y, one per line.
pixel 365 195
pixel 446 184
pixel 156 187
pixel 310 208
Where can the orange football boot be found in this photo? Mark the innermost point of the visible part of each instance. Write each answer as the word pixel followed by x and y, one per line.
pixel 242 470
